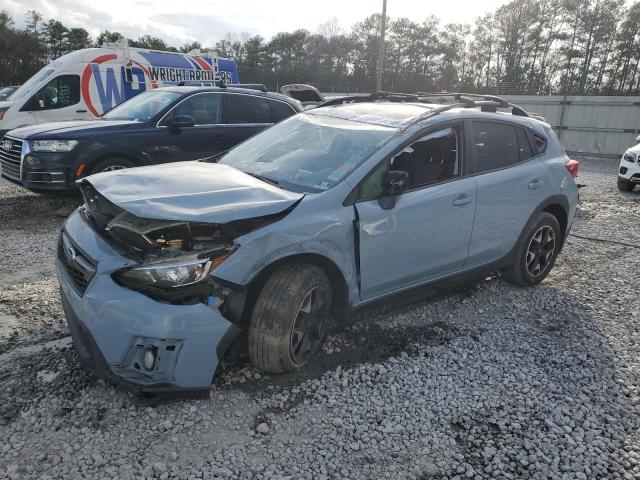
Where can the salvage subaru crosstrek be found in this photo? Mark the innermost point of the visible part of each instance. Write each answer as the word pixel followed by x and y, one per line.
pixel 326 212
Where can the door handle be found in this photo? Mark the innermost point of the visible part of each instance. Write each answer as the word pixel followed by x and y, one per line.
pixel 462 200
pixel 81 111
pixel 537 183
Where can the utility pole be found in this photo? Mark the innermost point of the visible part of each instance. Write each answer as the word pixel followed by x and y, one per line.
pixel 383 27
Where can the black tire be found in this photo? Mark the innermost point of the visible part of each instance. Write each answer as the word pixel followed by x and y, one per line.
pixel 110 164
pixel 275 345
pixel 535 254
pixel 625 185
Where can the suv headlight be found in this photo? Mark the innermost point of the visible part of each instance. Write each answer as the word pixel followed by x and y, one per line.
pixel 169 275
pixel 53 145
pixel 630 157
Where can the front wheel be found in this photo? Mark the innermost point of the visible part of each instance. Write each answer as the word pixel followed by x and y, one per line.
pixel 625 185
pixel 111 164
pixel 536 252
pixel 290 318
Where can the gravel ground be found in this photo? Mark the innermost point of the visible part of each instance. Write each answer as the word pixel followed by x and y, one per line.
pixel 489 382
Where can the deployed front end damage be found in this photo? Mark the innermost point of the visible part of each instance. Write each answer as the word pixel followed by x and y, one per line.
pixel 140 297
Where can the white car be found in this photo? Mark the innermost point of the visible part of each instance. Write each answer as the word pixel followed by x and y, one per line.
pixel 629 171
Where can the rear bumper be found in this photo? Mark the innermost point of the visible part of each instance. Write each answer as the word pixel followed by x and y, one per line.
pixel 113 327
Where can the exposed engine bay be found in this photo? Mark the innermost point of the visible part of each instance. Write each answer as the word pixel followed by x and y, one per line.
pixel 175 258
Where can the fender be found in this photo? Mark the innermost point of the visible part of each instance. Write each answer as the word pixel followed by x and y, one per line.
pixel 249 261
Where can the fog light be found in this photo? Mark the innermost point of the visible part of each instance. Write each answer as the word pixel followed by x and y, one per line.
pixel 149 359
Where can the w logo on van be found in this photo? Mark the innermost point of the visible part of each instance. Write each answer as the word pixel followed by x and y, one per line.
pixel 7 145
pixel 109 85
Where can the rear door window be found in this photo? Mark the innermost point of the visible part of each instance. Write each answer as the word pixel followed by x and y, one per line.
pixel 246 109
pixel 495 146
pixel 524 146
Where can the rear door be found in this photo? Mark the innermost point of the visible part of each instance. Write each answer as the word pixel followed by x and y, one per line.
pixel 511 184
pixel 244 116
pixel 426 234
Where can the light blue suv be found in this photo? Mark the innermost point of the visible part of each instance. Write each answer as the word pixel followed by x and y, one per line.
pixel 326 212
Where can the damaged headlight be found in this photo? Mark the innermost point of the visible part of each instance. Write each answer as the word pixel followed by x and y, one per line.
pixel 170 275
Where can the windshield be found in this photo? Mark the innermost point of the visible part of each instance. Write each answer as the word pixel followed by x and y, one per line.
pixel 144 106
pixel 32 84
pixel 307 153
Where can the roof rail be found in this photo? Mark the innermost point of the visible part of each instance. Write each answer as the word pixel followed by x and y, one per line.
pixel 201 83
pixel 501 102
pixel 251 86
pixel 487 103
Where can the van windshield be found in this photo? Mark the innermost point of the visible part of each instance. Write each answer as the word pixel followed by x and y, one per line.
pixel 143 106
pixel 32 84
pixel 308 153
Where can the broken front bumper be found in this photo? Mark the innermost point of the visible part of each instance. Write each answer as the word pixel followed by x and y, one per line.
pixel 114 328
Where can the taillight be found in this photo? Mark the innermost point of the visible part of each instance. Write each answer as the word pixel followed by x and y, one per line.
pixel 572 167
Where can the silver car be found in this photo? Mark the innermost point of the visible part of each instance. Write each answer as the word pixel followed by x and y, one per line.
pixel 324 213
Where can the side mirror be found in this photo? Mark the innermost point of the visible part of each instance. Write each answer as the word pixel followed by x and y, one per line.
pixel 394 183
pixel 638 139
pixel 180 121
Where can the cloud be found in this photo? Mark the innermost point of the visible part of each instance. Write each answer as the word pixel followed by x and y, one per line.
pixel 206 29
pixel 174 28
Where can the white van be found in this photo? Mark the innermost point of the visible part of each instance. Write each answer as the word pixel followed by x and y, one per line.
pixel 86 83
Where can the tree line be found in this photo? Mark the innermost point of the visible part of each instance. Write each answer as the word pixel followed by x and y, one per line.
pixel 525 46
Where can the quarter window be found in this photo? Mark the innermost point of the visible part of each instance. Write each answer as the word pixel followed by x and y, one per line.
pixel 431 159
pixel 280 110
pixel 246 109
pixel 495 146
pixel 540 142
pixel 205 109
pixel 63 91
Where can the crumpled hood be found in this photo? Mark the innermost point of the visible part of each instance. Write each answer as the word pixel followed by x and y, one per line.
pixel 192 192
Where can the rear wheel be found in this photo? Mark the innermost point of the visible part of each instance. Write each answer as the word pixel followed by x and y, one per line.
pixel 290 318
pixel 111 164
pixel 625 185
pixel 536 252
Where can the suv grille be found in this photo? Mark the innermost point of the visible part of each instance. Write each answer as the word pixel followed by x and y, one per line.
pixel 10 157
pixel 77 265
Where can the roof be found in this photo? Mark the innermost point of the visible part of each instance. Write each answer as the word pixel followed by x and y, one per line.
pixel 389 114
pixel 193 89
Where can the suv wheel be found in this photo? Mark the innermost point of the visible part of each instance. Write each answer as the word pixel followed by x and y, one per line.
pixel 625 185
pixel 537 251
pixel 290 318
pixel 111 164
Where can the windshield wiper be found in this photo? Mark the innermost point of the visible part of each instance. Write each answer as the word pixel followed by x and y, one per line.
pixel 270 180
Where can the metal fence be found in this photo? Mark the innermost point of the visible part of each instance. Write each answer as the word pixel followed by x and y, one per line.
pixel 588 126
pixel 594 126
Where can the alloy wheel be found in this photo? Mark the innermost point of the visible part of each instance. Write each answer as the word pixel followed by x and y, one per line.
pixel 112 168
pixel 309 326
pixel 540 250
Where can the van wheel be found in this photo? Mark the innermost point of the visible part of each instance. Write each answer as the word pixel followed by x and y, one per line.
pixel 536 252
pixel 625 185
pixel 290 318
pixel 111 164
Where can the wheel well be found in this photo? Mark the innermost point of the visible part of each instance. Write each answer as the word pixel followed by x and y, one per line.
pixel 106 155
pixel 338 282
pixel 561 215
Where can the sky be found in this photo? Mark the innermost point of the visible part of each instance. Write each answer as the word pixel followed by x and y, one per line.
pixel 181 21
